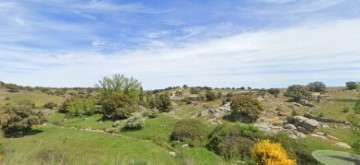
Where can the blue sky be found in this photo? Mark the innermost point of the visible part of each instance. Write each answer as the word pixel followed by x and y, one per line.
pixel 258 43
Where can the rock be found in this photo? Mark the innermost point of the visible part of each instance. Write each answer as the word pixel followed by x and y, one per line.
pixel 342 145
pixel 324 125
pixel 333 137
pixel 305 102
pixel 297 104
pixel 185 145
pixel 303 130
pixel 319 136
pixel 299 134
pixel 116 123
pixel 172 154
pixel 290 126
pixel 299 119
pixel 204 113
pixel 310 124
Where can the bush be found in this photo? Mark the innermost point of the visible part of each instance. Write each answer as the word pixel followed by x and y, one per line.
pixel 346 109
pixel 16 119
pixel 189 130
pixel 357 107
pixel 316 86
pixel 233 141
pixel 26 103
pixel 246 108
pixel 351 85
pixel 117 106
pixel 134 123
pixel 78 106
pixel 162 102
pixel 298 92
pixel 295 149
pixel 50 105
pixel 267 153
pixel 210 96
pixel 274 91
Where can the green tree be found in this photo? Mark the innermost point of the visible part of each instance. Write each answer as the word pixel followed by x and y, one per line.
pixel 117 106
pixel 189 130
pixel 162 102
pixel 351 85
pixel 316 86
pixel 246 108
pixel 298 92
pixel 120 84
pixel 274 91
pixel 210 96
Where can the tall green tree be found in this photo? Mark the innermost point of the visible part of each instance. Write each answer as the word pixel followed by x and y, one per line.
pixel 119 83
pixel 298 92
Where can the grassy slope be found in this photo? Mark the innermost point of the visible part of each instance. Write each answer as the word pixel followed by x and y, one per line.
pixel 335 157
pixel 83 148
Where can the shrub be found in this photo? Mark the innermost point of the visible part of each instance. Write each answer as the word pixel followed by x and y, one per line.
pixel 78 106
pixel 298 92
pixel 295 149
pixel 189 130
pixel 16 119
pixel 274 91
pixel 134 122
pixel 162 102
pixel 316 86
pixel 233 141
pixel 246 108
pixel 346 109
pixel 154 112
pixel 50 105
pixel 351 85
pixel 267 153
pixel 210 96
pixel 117 106
pixel 357 107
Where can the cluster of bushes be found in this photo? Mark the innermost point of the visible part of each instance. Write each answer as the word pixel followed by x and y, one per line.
pixel 77 106
pixel 161 102
pixel 245 108
pixel 16 119
pixel 244 142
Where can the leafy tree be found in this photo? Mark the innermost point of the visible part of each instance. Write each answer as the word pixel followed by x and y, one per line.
pixel 316 86
pixel 18 118
pixel 120 84
pixel 210 96
pixel 351 85
pixel 162 102
pixel 117 106
pixel 274 91
pixel 267 153
pixel 298 92
pixel 246 106
pixel 77 106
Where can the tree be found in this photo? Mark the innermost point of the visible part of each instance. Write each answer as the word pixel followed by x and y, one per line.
pixel 351 85
pixel 316 86
pixel 298 92
pixel 274 91
pixel 162 102
pixel 267 153
pixel 189 130
pixel 117 106
pixel 246 108
pixel 210 96
pixel 17 118
pixel 120 84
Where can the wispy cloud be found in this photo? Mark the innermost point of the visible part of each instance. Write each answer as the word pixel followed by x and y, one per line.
pixel 277 57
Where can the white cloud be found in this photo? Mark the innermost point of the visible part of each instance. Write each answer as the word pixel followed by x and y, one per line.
pixel 327 52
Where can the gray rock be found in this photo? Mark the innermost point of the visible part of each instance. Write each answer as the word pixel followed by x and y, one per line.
pixel 290 126
pixel 299 119
pixel 310 124
pixel 342 145
pixel 305 102
pixel 172 154
pixel 299 134
pixel 204 113
pixel 303 130
pixel 185 145
pixel 319 136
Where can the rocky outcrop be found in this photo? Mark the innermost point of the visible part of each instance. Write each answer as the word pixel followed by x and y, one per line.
pixel 306 125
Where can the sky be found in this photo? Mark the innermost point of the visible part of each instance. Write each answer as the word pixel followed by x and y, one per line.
pixel 162 43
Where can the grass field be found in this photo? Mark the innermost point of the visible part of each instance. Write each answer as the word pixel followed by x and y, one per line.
pixel 334 110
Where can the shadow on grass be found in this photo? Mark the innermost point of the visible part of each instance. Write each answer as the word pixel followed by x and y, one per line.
pixel 124 129
pixel 238 118
pixel 23 133
pixel 106 118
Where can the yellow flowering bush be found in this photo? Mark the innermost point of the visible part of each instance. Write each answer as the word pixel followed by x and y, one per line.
pixel 267 153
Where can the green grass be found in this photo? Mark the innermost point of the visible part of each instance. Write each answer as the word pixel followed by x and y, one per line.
pixel 81 122
pixel 187 110
pixel 200 156
pixel 39 98
pixel 159 127
pixel 329 157
pixel 78 147
pixel 334 110
pixel 315 144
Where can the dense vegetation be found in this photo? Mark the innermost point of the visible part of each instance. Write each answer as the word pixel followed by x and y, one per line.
pixel 118 123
